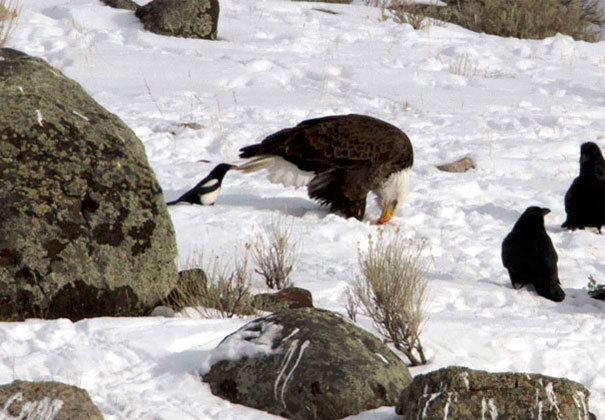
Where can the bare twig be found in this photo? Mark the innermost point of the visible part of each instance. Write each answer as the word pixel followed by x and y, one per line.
pixel 275 256
pixel 9 17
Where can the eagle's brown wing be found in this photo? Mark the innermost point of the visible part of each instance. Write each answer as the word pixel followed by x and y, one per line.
pixel 340 141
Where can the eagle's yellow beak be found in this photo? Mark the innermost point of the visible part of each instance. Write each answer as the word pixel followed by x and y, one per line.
pixel 387 214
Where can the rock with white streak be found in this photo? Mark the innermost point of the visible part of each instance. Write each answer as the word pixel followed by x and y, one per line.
pixel 306 364
pixel 46 401
pixel 459 393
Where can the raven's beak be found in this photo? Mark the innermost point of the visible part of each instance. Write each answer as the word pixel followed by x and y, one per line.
pixel 545 211
pixel 387 214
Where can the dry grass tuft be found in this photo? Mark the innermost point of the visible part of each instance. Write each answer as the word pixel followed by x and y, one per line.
pixel 275 255
pixel 468 67
pixel 213 290
pixel 9 17
pixel 352 303
pixel 391 290
pixel 595 290
pixel 405 11
pixel 465 66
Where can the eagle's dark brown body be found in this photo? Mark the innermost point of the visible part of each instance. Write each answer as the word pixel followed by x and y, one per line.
pixel 349 156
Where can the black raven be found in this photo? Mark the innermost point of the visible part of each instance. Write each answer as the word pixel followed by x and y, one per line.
pixel 530 257
pixel 585 199
pixel 206 191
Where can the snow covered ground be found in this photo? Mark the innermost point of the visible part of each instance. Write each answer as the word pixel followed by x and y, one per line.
pixel 521 108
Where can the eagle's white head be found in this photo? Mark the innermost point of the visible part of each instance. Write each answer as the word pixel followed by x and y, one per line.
pixel 391 194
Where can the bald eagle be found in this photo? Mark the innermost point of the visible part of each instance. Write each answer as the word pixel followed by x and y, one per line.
pixel 340 159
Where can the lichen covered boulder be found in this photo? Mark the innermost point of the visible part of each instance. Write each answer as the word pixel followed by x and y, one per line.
pixel 46 401
pixel 181 18
pixel 84 229
pixel 465 394
pixel 306 364
pixel 287 298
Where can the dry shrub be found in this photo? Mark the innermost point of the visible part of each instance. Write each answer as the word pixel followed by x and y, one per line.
pixel 9 16
pixel 189 290
pixel 214 291
pixel 230 295
pixel 275 255
pixel 391 289
pixel 352 303
pixel 405 11
pixel 465 66
pixel 527 19
pixel 468 67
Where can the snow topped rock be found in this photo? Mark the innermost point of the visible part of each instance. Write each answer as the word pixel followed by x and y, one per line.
pixel 306 363
pixel 459 393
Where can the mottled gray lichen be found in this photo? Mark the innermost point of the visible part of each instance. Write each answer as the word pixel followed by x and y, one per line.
pixel 45 401
pixel 181 18
pixel 321 366
pixel 464 394
pixel 79 202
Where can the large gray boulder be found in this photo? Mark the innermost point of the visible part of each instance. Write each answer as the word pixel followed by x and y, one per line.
pixel 84 230
pixel 306 364
pixel 465 394
pixel 182 18
pixel 46 401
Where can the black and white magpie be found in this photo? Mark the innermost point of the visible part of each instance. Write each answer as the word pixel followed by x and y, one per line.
pixel 207 190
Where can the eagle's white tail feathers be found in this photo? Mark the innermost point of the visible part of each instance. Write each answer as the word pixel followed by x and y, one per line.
pixel 280 170
pixel 255 164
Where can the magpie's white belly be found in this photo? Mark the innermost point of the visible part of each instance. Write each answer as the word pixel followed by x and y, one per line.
pixel 209 198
